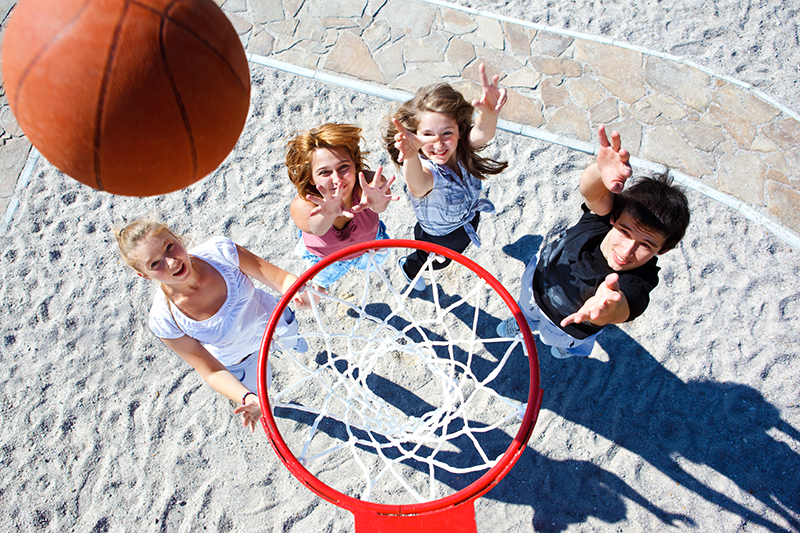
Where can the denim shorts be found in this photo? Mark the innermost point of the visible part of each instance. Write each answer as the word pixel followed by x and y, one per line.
pixel 338 269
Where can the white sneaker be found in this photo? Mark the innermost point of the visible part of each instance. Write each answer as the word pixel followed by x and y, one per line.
pixel 300 345
pixel 560 353
pixel 419 285
pixel 508 328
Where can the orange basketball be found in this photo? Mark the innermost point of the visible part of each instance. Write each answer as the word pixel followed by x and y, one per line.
pixel 133 97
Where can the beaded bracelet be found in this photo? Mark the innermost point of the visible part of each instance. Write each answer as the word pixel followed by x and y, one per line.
pixel 246 394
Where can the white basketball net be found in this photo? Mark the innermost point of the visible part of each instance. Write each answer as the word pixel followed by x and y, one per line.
pixel 401 384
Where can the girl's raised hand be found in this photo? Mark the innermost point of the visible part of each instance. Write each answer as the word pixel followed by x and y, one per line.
pixel 330 205
pixel 407 143
pixel 375 195
pixel 493 98
pixel 302 299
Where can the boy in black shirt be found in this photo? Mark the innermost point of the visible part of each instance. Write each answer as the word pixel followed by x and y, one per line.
pixel 603 269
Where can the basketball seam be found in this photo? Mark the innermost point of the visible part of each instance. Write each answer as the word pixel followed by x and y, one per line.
pixel 165 14
pixel 44 49
pixel 178 100
pixel 101 100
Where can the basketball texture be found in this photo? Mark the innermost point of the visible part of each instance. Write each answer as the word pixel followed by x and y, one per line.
pixel 133 97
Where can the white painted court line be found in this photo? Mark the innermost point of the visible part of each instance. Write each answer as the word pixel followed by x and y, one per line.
pixel 621 44
pixel 22 182
pixel 783 233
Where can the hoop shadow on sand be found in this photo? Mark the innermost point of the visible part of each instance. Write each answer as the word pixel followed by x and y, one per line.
pixel 561 492
pixel 635 402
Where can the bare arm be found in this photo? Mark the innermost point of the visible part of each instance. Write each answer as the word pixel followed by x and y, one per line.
pixel 418 179
pixel 605 178
pixel 215 374
pixel 270 275
pixel 607 306
pixel 492 101
pixel 316 215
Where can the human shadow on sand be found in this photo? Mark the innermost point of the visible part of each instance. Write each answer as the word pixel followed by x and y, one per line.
pixel 635 402
pixel 561 492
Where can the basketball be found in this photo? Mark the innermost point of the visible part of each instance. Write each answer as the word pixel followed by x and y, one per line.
pixel 135 98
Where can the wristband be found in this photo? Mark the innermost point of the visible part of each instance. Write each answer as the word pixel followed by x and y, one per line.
pixel 246 394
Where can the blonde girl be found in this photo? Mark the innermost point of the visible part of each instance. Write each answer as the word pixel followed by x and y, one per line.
pixel 207 309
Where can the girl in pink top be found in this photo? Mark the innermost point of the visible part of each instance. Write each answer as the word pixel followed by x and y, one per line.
pixel 338 197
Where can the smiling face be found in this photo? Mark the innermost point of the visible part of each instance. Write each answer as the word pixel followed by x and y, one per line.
pixel 163 258
pixel 439 132
pixel 629 244
pixel 333 168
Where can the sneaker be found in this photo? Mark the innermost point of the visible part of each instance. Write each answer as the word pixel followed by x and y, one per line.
pixel 419 285
pixel 508 328
pixel 560 353
pixel 300 345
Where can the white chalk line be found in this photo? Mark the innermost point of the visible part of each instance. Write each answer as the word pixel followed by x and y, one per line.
pixel 622 44
pixel 22 182
pixel 777 229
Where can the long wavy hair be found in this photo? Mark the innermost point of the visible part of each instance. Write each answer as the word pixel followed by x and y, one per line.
pixel 300 153
pixel 442 98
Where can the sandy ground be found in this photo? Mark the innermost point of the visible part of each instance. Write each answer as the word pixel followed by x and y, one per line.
pixel 684 420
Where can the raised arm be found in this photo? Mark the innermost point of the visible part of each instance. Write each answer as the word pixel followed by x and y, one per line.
pixel 270 275
pixel 215 374
pixel 605 178
pixel 418 179
pixel 492 101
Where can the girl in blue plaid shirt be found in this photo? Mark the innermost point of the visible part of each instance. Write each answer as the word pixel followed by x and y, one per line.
pixel 432 137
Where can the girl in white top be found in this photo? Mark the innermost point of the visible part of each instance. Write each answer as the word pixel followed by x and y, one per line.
pixel 208 311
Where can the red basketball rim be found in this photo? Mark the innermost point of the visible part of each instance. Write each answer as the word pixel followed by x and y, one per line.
pixel 477 488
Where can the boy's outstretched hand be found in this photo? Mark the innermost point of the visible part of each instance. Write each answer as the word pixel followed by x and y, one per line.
pixel 493 98
pixel 612 161
pixel 607 306
pixel 375 195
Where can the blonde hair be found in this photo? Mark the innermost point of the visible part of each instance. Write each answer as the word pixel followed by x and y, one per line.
pixel 442 98
pixel 129 237
pixel 300 153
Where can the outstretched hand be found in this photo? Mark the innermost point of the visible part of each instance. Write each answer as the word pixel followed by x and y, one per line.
pixel 251 412
pixel 493 98
pixel 375 195
pixel 330 205
pixel 302 299
pixel 612 160
pixel 407 143
pixel 601 307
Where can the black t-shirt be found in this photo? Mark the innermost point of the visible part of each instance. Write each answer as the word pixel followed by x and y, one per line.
pixel 570 270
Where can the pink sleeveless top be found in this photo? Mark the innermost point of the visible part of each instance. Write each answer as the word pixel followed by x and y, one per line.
pixel 362 228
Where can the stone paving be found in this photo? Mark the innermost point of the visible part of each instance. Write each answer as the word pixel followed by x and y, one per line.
pixel 718 131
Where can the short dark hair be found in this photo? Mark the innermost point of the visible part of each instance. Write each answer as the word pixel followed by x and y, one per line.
pixel 657 204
